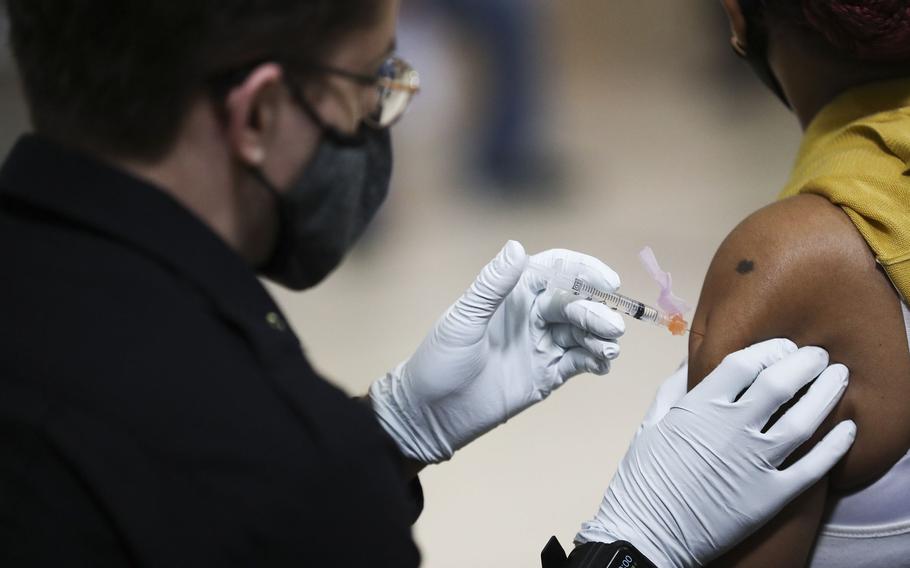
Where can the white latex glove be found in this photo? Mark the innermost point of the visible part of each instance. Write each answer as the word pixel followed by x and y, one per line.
pixel 504 346
pixel 671 391
pixel 704 477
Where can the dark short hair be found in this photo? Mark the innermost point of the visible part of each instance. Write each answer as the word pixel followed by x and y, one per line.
pixel 875 31
pixel 118 76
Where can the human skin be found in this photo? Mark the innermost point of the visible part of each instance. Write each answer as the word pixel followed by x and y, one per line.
pixel 260 125
pixel 800 269
pixel 814 280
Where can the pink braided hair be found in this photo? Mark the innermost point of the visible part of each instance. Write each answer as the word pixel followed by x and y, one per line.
pixel 876 30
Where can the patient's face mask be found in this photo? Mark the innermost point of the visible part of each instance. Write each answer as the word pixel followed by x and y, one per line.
pixel 756 51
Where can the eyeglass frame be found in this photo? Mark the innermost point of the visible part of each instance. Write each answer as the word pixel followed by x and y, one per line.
pixel 222 82
pixel 376 81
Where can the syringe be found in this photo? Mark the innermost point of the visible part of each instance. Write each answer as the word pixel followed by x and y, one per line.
pixel 569 279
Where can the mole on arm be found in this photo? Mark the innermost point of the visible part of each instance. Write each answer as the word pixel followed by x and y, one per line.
pixel 745 267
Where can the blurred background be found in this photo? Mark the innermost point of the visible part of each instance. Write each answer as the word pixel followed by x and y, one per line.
pixel 591 125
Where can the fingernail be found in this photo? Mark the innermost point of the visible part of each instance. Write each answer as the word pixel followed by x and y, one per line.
pixel 513 251
pixel 815 350
pixel 787 346
pixel 843 372
pixel 851 428
pixel 619 324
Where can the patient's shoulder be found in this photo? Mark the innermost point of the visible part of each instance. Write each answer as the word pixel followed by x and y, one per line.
pixel 789 266
pixel 800 269
pixel 790 247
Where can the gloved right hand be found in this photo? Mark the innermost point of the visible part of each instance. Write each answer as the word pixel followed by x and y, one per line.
pixel 509 342
pixel 704 477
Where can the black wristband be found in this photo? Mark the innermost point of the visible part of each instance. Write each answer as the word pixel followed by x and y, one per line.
pixel 620 554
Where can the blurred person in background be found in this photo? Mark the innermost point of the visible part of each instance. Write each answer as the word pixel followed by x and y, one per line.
pixel 156 409
pixel 510 157
pixel 829 264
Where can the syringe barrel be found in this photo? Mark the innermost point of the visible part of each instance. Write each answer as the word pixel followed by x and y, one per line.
pixel 633 308
pixel 568 278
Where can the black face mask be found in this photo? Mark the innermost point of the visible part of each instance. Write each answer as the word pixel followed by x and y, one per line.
pixel 329 206
pixel 756 53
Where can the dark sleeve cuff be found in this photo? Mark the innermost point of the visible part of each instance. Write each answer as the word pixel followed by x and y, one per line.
pixel 415 497
pixel 414 489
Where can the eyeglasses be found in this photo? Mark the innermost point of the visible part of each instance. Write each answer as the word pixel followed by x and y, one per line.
pixel 397 82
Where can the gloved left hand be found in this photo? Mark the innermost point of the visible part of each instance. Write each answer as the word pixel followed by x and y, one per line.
pixel 507 344
pixel 703 473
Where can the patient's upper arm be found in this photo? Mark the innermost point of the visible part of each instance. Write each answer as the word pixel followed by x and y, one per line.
pixel 799 269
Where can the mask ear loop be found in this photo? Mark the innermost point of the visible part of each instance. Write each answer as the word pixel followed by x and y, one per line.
pixel 328 131
pixel 281 241
pixel 219 86
pixel 755 52
pixel 260 176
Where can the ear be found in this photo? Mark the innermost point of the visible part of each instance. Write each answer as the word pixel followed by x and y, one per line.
pixel 738 26
pixel 252 113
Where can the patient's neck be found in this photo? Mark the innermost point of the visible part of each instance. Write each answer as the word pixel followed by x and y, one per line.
pixel 812 74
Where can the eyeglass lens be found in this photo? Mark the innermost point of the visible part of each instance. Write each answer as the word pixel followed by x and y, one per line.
pixel 398 84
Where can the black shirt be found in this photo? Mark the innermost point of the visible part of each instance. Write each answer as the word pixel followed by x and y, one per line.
pixel 155 408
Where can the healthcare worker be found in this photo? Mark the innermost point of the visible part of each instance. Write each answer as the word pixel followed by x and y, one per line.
pixel 157 410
